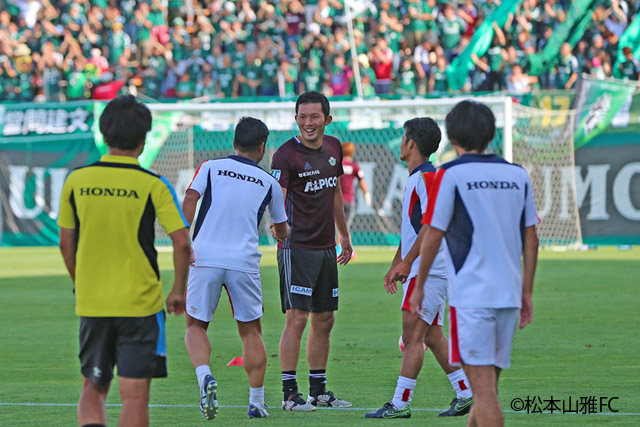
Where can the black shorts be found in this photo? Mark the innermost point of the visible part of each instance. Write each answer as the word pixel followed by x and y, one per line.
pixel 137 345
pixel 308 279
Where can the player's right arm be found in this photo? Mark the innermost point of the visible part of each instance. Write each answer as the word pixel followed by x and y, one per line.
pixel 389 284
pixel 529 257
pixel 189 204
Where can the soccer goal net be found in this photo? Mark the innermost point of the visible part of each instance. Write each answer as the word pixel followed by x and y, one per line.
pixel 193 133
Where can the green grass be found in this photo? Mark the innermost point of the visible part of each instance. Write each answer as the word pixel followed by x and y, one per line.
pixel 583 342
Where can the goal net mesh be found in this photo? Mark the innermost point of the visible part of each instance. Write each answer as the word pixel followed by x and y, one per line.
pixel 544 147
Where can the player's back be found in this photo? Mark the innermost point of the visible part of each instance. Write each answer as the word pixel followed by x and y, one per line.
pixel 114 204
pixel 490 202
pixel 418 187
pixel 235 194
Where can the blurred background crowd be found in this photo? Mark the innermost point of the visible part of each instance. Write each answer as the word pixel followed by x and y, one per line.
pixel 55 50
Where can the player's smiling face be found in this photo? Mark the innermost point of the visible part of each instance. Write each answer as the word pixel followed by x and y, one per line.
pixel 311 122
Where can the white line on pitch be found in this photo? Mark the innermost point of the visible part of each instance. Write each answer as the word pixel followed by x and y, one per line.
pixel 628 414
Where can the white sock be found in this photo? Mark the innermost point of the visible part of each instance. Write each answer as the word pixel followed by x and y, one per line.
pixel 460 384
pixel 201 372
pixel 256 395
pixel 404 392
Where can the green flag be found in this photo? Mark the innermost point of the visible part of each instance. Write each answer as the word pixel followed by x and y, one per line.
pixel 598 102
pixel 570 31
pixel 459 69
pixel 630 38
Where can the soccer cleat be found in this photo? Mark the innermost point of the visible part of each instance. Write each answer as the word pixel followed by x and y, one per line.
pixel 257 411
pixel 328 400
pixel 458 407
pixel 296 403
pixel 208 400
pixel 390 411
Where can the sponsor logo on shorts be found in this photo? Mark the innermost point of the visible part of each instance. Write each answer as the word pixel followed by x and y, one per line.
pixel 193 309
pixel 424 311
pixel 335 292
pixel 300 290
pixel 276 174
pixel 97 372
pixel 473 353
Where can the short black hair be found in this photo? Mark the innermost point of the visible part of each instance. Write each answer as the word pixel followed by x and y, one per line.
pixel 471 125
pixel 250 133
pixel 313 97
pixel 426 134
pixel 125 123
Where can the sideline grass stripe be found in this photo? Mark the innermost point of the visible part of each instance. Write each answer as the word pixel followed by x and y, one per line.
pixel 322 409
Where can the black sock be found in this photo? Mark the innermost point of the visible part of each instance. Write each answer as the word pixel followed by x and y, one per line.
pixel 317 381
pixel 289 383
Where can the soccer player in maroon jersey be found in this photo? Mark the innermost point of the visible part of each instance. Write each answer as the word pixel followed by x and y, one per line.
pixel 352 172
pixel 308 167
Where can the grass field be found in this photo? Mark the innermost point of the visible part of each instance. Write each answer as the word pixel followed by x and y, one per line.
pixel 584 341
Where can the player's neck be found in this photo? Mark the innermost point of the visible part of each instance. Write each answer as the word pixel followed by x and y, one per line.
pixel 113 151
pixel 314 145
pixel 256 157
pixel 415 161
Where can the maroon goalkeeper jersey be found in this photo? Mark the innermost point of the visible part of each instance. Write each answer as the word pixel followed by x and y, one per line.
pixel 310 177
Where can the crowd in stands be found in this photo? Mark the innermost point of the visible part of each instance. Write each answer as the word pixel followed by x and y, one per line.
pixel 70 50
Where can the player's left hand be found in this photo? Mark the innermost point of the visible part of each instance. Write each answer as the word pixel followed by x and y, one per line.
pixel 347 251
pixel 526 312
pixel 416 299
pixel 175 303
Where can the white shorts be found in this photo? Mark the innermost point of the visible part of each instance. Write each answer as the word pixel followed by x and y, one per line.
pixel 482 336
pixel 205 286
pixel 433 303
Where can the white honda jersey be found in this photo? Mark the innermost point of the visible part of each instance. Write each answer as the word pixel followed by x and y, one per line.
pixel 483 204
pixel 235 192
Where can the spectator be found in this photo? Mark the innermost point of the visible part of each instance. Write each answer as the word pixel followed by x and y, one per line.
pixel 381 59
pixel 451 28
pixel 340 78
pixel 519 83
pixel 438 80
pixel 406 78
pixel 566 69
pixel 629 66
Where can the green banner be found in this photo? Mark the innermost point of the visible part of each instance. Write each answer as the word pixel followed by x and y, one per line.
pixel 598 102
pixel 570 31
pixel 42 122
pixel 162 126
pixel 458 71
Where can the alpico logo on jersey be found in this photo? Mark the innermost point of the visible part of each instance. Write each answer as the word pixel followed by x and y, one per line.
pixel 236 175
pixel 319 184
pixel 110 192
pixel 492 185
